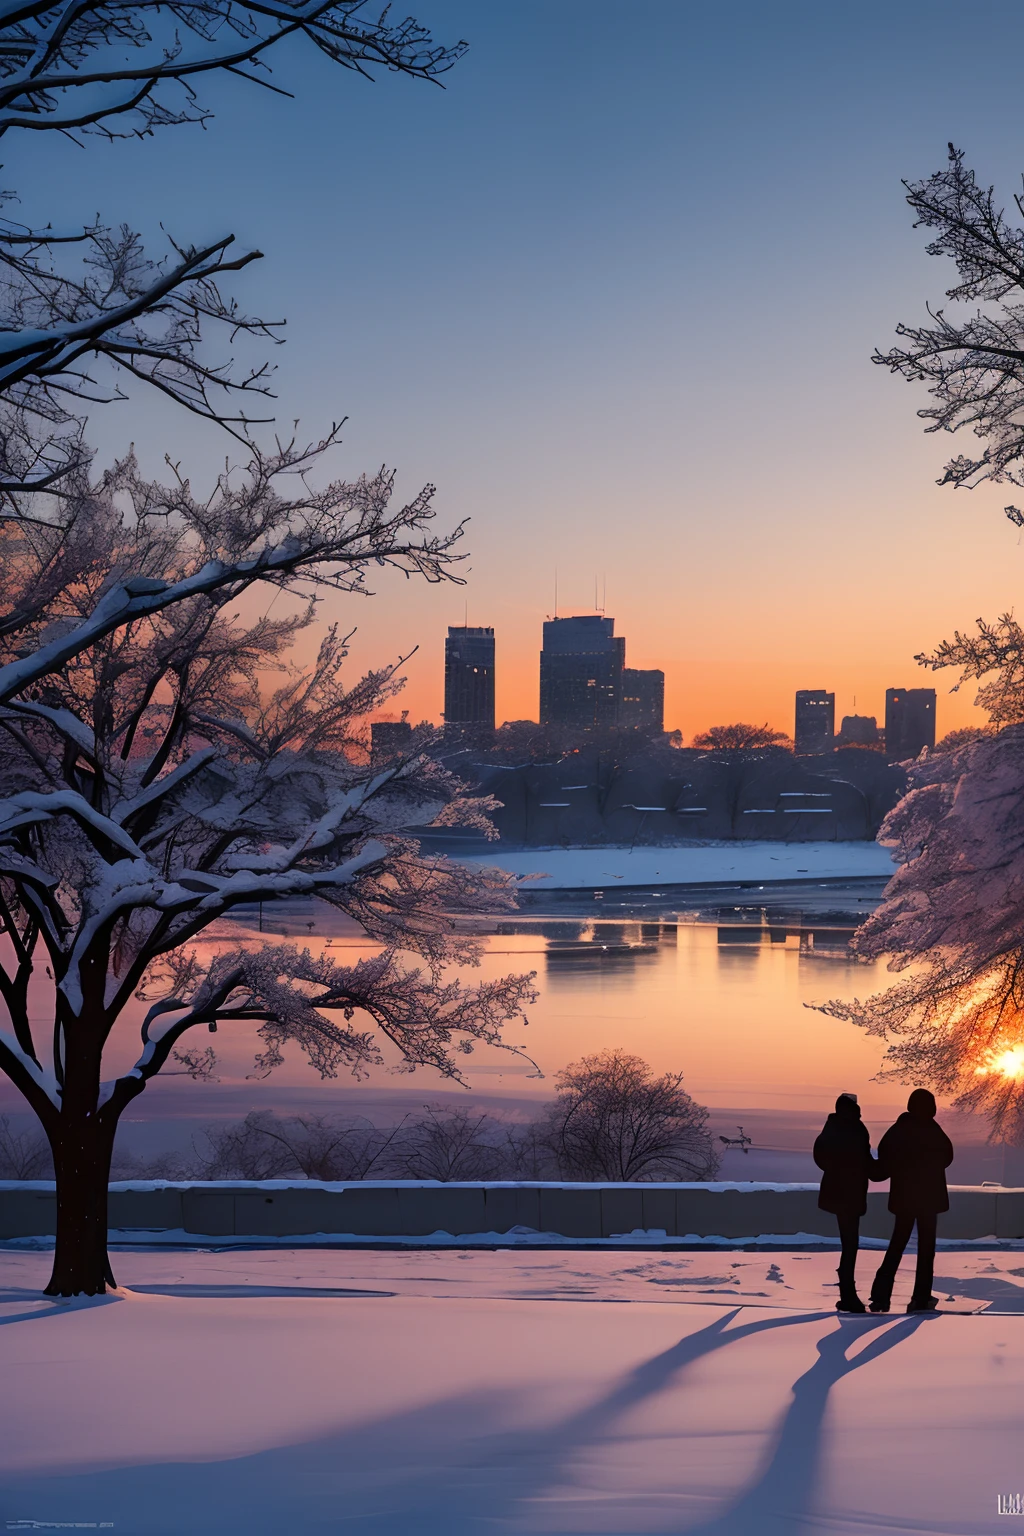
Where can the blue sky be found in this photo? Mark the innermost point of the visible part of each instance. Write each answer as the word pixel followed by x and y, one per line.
pixel 615 292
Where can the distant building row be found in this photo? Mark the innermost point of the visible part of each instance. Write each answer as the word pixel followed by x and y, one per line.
pixel 584 680
pixel 909 724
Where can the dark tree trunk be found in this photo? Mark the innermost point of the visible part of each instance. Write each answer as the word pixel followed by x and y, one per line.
pixel 81 1160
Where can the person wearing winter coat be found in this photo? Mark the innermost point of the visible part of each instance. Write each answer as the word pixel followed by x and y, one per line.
pixel 913 1155
pixel 843 1153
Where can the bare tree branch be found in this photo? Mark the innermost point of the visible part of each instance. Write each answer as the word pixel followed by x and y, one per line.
pixel 77 334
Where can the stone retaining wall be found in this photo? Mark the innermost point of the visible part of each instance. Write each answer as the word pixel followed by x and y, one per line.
pixel 281 1208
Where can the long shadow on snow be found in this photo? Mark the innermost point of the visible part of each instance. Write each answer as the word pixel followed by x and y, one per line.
pixel 779 1502
pixel 48 1306
pixel 238 1292
pixel 449 1468
pixel 1002 1294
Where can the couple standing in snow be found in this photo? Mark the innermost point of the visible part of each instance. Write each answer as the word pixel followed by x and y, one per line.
pixel 913 1155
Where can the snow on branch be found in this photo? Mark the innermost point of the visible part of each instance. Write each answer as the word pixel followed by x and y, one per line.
pixel 213 550
pixel 190 767
pixel 128 67
pixel 139 318
pixel 81 328
pixel 953 918
pixel 973 364
pixel 996 648
pixel 432 1022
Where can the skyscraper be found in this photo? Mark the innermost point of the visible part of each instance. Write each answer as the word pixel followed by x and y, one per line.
pixel 469 678
pixel 909 722
pixel 815 721
pixel 643 699
pixel 581 672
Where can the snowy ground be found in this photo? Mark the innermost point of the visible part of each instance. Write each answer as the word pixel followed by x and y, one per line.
pixel 703 864
pixel 451 1394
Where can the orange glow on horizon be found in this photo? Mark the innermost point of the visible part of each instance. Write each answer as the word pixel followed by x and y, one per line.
pixel 738 612
pixel 705 692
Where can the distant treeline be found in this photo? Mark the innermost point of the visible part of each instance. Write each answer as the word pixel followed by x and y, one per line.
pixel 623 790
pixel 611 1119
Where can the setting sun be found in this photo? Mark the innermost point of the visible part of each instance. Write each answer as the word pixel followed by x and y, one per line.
pixel 1010 1063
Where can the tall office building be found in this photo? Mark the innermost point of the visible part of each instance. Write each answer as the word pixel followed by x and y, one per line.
pixel 581 669
pixel 815 730
pixel 909 722
pixel 643 699
pixel 469 678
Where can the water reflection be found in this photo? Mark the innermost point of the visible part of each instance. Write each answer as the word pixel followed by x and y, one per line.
pixel 719 992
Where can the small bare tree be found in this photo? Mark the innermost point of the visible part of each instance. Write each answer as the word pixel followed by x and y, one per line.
pixel 613 1119
pixel 245 1150
pixel 525 1151
pixel 23 1154
pixel 739 738
pixel 316 1146
pixel 448 1146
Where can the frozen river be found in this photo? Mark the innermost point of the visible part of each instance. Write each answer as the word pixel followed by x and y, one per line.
pixel 717 986
pixel 717 983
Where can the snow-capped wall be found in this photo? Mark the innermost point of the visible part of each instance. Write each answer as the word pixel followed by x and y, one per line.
pixel 282 1208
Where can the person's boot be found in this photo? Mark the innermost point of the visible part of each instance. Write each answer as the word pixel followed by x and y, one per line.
pixel 881 1295
pixel 923 1303
pixel 849 1301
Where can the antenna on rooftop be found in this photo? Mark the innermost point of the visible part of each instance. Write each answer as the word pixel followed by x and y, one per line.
pixel 556 591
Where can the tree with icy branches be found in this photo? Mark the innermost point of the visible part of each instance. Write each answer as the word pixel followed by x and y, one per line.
pixel 953 915
pixel 953 920
pixel 164 762
pixel 973 364
pixel 85 313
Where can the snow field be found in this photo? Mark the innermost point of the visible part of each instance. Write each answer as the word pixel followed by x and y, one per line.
pixel 695 864
pixel 509 1392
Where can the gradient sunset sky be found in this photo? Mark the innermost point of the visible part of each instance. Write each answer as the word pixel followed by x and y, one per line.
pixel 615 290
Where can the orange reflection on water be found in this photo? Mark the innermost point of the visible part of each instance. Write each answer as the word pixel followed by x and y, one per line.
pixel 724 1004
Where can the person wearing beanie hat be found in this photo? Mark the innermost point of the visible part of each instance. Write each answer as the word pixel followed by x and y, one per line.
pixel 914 1155
pixel 843 1153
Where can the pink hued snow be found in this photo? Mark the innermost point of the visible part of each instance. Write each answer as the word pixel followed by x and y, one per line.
pixel 459 1394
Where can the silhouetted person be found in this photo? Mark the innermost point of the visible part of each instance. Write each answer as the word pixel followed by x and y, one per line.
pixel 914 1155
pixel 843 1153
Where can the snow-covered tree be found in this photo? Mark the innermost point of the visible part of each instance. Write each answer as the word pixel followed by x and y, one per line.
pixel 163 761
pixel 953 915
pixel 85 312
pixel 953 918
